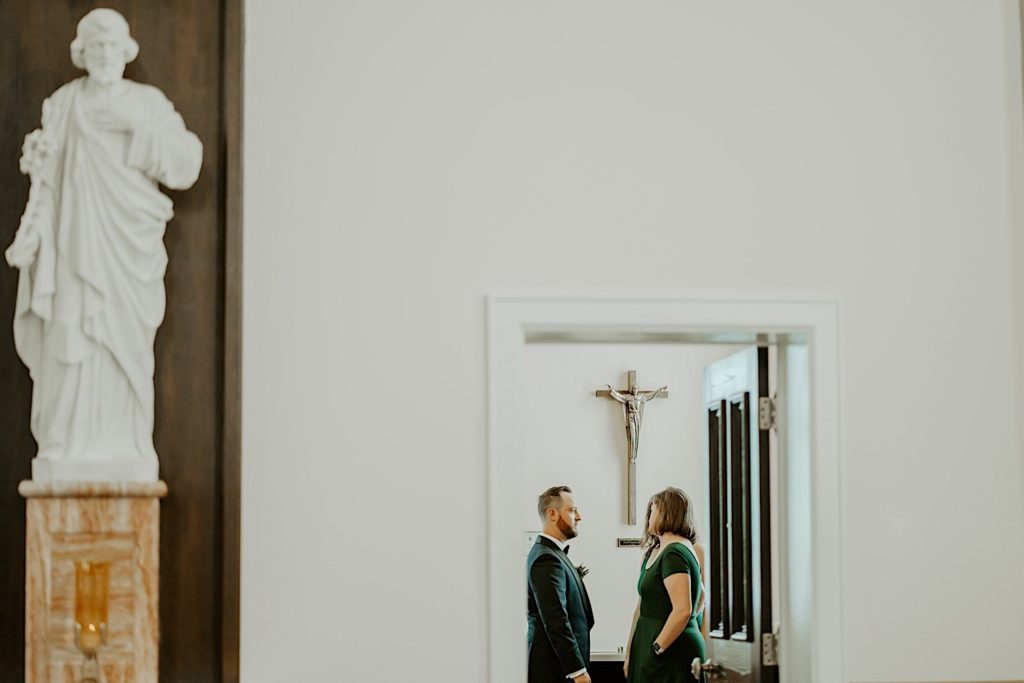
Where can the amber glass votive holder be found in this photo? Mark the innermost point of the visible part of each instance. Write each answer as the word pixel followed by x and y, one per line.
pixel 92 592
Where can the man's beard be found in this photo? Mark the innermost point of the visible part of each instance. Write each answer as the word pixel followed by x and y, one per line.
pixel 108 74
pixel 566 529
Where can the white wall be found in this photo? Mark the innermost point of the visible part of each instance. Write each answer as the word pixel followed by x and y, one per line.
pixel 572 437
pixel 1016 181
pixel 794 551
pixel 404 158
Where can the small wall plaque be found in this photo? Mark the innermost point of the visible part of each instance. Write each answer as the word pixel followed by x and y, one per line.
pixel 627 542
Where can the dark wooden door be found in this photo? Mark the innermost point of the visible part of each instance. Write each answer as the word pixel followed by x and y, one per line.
pixel 739 558
pixel 191 50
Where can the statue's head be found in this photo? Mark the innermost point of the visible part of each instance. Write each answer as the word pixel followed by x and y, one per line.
pixel 103 45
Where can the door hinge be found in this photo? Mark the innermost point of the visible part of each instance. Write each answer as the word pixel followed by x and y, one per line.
pixel 769 649
pixel 765 413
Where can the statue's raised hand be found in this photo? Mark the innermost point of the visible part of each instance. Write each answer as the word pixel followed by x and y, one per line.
pixel 122 115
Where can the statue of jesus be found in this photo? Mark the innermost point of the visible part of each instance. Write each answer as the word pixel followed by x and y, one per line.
pixel 92 259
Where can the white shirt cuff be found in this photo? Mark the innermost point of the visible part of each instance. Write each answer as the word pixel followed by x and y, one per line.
pixel 578 673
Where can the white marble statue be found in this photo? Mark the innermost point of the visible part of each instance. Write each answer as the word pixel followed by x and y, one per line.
pixel 91 257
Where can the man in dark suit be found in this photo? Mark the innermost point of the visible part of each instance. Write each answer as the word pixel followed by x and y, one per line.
pixel 559 612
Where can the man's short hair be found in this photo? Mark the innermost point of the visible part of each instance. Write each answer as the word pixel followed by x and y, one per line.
pixel 551 498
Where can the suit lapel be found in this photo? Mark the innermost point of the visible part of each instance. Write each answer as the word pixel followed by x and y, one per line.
pixel 560 554
pixel 572 569
pixel 583 590
pixel 547 543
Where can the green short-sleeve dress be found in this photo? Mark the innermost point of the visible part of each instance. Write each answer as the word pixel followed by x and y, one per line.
pixel 672 665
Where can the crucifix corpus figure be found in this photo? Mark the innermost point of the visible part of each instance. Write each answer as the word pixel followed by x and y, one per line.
pixel 633 401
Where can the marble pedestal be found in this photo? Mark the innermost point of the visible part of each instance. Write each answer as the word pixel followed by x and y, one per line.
pixel 117 523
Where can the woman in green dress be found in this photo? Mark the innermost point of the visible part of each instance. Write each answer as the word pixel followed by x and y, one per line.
pixel 666 634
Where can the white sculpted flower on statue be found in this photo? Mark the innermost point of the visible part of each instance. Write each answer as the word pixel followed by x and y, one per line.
pixel 92 259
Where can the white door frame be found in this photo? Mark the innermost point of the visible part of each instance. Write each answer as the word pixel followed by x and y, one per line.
pixel 513 318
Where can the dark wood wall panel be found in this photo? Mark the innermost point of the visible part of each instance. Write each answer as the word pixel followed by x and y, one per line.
pixel 190 49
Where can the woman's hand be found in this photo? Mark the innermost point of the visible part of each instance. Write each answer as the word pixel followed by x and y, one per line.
pixel 625 668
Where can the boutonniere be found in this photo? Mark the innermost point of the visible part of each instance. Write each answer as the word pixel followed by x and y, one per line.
pixel 583 571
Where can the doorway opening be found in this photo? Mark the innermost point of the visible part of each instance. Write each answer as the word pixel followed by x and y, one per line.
pixel 803 637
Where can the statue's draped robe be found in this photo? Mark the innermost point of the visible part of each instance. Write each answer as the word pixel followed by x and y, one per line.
pixel 89 307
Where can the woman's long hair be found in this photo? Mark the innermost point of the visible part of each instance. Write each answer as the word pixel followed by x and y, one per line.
pixel 676 517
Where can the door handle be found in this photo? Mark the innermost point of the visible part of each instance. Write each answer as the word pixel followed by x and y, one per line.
pixel 712 669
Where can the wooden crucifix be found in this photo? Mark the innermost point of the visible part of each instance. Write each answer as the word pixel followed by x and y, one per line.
pixel 632 400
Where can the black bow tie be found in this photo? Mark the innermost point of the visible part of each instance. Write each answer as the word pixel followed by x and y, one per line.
pixel 565 550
